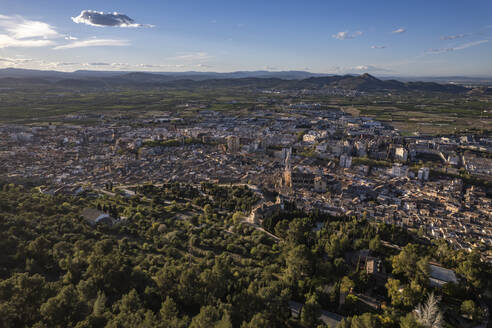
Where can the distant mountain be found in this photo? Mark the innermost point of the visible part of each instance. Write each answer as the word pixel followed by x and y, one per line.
pixel 463 80
pixel 192 75
pixel 290 80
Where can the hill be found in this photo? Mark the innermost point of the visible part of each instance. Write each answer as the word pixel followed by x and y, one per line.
pixel 291 80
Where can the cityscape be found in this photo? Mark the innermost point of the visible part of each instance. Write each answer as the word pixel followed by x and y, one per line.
pixel 206 190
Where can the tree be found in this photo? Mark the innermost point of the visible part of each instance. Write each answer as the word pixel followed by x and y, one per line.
pixel 169 309
pixel 470 269
pixel 367 320
pixel 398 293
pixel 375 244
pixel 100 304
pixel 298 262
pixel 208 317
pixel 208 211
pixel 470 309
pixel 21 296
pixel 63 308
pixel 259 320
pixel 225 321
pixel 429 315
pixel 310 311
pixel 346 285
pixel 237 217
pixel 299 231
pixel 409 321
pixel 410 265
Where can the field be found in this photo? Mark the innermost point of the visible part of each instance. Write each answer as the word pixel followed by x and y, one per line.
pixel 409 113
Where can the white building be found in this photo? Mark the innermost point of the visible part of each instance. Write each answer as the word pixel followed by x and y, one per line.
pixel 401 154
pixel 399 170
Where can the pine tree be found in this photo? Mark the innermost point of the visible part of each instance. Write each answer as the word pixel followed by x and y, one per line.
pixel 429 314
pixel 100 304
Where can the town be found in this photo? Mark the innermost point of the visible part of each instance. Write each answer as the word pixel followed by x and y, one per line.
pixel 316 157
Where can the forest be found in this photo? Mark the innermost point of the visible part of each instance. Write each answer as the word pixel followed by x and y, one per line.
pixel 182 256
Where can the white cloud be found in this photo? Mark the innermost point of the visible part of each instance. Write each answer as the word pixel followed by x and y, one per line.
pixel 149 66
pixel 67 64
pixel 70 38
pixel 399 31
pixel 120 65
pixel 32 29
pixel 24 33
pixel 99 64
pixel 460 47
pixel 15 61
pixel 345 35
pixel 100 19
pixel 7 41
pixel 204 66
pixel 21 28
pixel 378 47
pixel 94 43
pixel 470 44
pixel 368 68
pixel 359 69
pixel 453 37
pixel 196 56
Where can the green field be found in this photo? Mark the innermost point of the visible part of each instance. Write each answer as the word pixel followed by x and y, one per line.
pixel 410 113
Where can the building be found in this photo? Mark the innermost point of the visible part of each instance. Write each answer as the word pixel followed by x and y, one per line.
pixel 401 154
pixel 399 170
pixel 233 144
pixel 320 184
pixel 299 178
pixel 423 174
pixel 345 161
pixel 93 216
pixel 439 276
pixel 361 148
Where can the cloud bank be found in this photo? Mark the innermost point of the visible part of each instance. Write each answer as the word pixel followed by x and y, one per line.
pixel 100 19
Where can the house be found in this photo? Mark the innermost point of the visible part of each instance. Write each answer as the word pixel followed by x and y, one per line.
pixel 93 216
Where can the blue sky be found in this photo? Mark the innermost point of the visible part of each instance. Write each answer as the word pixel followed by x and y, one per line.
pixel 406 38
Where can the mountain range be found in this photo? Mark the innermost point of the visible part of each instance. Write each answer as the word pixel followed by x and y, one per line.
pixel 289 80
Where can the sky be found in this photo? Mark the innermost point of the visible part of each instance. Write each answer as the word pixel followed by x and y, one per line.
pixel 385 38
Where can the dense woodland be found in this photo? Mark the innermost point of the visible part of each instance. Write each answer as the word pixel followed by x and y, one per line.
pixel 183 257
